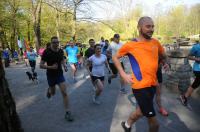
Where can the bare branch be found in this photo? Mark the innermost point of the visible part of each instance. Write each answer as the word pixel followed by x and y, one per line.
pixel 92 20
pixel 61 11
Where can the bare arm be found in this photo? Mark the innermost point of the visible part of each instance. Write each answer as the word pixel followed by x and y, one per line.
pixel 88 65
pixel 63 62
pixel 108 54
pixel 107 65
pixel 164 61
pixel 127 78
pixel 190 57
pixel 45 66
pixel 163 58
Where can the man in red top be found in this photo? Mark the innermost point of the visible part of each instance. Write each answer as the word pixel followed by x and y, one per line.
pixel 143 56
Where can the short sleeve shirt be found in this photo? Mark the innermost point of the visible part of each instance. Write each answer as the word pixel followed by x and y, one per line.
pixel 51 57
pixel 113 48
pixel 195 51
pixel 72 53
pixel 143 56
pixel 31 56
pixel 89 52
pixel 98 65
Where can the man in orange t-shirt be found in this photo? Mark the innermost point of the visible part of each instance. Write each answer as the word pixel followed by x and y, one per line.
pixel 143 56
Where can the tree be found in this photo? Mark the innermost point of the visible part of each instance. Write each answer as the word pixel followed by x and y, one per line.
pixel 36 17
pixel 9 119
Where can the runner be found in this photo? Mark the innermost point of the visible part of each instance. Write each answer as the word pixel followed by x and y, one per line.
pixel 88 53
pixel 97 61
pixel 25 58
pixel 80 55
pixel 161 109
pixel 15 57
pixel 6 57
pixel 52 60
pixel 105 47
pixel 31 55
pixel 102 42
pixel 143 56
pixel 72 55
pixel 112 50
pixel 195 56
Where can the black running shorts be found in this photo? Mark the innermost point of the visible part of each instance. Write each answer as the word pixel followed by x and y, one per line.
pixel 196 82
pixel 144 98
pixel 32 63
pixel 94 78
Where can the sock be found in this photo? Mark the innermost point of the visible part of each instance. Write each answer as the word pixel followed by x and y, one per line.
pixel 127 125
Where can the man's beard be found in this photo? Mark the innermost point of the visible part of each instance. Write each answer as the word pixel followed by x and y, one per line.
pixel 145 35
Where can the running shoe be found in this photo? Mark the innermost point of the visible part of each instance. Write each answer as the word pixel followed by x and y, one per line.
pixel 183 100
pixel 74 80
pixel 163 112
pixel 125 128
pixel 123 91
pixel 68 116
pixel 109 80
pixel 48 93
pixel 95 100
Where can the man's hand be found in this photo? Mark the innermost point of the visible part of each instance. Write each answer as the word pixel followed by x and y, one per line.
pixel 127 78
pixel 166 67
pixel 54 66
pixel 65 68
pixel 198 59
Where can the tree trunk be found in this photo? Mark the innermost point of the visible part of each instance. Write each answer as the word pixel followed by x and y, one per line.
pixel 3 39
pixel 36 23
pixel 28 33
pixel 57 24
pixel 13 39
pixel 74 28
pixel 9 120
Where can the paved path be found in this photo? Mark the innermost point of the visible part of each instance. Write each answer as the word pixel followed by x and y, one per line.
pixel 38 114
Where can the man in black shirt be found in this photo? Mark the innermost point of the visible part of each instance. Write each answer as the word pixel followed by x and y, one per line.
pixel 90 51
pixel 53 60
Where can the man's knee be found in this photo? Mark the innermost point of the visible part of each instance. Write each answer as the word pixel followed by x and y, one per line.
pixel 138 114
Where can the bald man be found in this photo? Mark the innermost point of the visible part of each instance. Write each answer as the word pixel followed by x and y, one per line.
pixel 144 54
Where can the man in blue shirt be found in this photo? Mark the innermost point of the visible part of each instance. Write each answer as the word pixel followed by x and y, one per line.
pixel 193 55
pixel 15 57
pixel 6 57
pixel 72 53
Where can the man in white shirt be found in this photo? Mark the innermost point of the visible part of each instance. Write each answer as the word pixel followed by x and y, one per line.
pixel 112 50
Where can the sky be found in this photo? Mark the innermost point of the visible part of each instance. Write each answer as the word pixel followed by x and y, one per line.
pixel 102 10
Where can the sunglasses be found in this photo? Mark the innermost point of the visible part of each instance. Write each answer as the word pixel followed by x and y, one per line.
pixel 55 42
